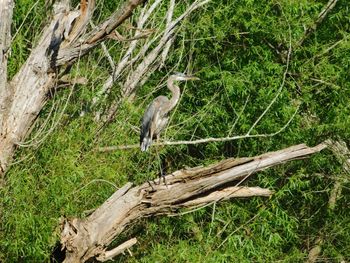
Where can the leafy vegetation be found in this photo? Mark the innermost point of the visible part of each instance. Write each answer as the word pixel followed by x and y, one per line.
pixel 239 50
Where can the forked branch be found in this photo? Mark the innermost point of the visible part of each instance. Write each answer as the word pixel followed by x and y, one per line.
pixel 62 42
pixel 87 238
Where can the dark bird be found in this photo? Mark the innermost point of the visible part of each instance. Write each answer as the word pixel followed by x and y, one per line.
pixel 156 116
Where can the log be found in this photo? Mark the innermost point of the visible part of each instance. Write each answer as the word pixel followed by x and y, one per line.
pixel 88 238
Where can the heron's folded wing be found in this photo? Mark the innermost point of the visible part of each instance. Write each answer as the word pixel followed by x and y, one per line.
pixel 146 121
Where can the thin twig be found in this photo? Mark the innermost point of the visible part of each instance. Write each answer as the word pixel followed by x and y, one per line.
pixel 238 228
pixel 206 140
pixel 169 17
pixel 24 20
pixel 55 122
pixel 127 57
pixel 212 218
pixel 105 50
pixel 94 181
pixel 239 115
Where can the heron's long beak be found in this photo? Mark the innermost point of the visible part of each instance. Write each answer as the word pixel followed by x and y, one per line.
pixel 192 78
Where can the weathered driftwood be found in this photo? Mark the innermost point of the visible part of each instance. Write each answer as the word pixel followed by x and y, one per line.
pixel 187 188
pixel 6 11
pixel 62 42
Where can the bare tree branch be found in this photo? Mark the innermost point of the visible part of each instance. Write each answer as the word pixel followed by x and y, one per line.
pixel 321 16
pixel 62 42
pixel 149 62
pixel 227 193
pixel 6 11
pixel 169 17
pixel 86 42
pixel 206 140
pixel 281 86
pixel 87 238
pixel 126 60
pixel 109 255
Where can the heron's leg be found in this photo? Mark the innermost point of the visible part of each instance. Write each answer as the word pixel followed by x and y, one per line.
pixel 149 183
pixel 149 169
pixel 162 174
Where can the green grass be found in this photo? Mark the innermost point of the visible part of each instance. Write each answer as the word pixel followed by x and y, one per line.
pixel 227 46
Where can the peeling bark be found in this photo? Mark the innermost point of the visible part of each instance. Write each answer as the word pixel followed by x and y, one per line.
pixel 6 11
pixel 62 42
pixel 88 41
pixel 89 238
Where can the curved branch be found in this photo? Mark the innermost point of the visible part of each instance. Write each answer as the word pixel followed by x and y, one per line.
pixel 281 86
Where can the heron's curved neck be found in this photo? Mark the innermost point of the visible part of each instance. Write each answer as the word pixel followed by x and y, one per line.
pixel 175 90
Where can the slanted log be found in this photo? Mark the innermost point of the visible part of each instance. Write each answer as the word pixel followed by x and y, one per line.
pixel 89 238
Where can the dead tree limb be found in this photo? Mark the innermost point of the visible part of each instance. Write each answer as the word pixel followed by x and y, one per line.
pixel 62 42
pixel 85 42
pixel 108 255
pixel 87 238
pixel 6 11
pixel 148 59
pixel 321 16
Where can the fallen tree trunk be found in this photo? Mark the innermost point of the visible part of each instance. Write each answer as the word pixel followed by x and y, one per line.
pixel 84 239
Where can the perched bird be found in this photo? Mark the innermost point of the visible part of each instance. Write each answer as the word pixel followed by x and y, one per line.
pixel 155 117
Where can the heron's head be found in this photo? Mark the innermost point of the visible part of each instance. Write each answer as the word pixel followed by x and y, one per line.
pixel 182 77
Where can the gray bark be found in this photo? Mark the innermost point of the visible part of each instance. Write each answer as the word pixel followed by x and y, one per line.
pixel 87 238
pixel 61 44
pixel 6 10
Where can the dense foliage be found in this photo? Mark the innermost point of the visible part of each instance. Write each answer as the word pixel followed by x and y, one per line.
pixel 239 50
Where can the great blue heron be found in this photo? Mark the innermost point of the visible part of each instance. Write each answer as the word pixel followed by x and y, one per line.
pixel 156 116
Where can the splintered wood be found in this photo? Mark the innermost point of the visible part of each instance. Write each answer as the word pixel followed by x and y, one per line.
pixel 62 41
pixel 89 238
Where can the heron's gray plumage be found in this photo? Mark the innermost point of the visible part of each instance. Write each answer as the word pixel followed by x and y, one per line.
pixel 153 121
pixel 155 117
